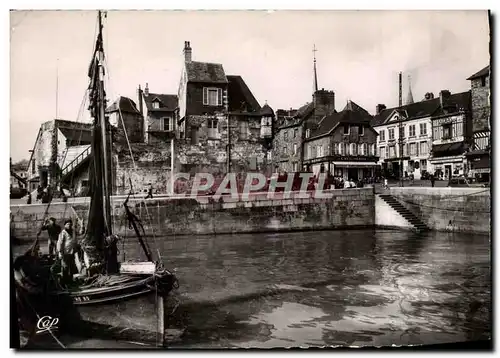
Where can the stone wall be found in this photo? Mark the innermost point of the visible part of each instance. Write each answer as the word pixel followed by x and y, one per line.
pixel 480 104
pixel 349 208
pixel 449 209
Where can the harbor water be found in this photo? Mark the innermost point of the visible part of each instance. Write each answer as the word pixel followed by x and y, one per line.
pixel 351 288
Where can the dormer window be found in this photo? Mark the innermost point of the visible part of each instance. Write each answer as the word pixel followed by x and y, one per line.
pixel 308 133
pixel 156 104
pixel 361 130
pixel 346 129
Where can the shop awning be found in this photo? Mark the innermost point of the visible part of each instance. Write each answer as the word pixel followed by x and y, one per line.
pixel 448 149
pixel 476 153
pixel 480 163
pixel 396 159
pixel 355 164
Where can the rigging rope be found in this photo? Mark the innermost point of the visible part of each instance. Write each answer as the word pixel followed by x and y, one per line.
pixel 150 221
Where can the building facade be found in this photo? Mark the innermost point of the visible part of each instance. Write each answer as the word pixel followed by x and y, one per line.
pixel 343 145
pixel 160 115
pixel 295 126
pixel 451 134
pixel 58 144
pixel 406 135
pixel 479 157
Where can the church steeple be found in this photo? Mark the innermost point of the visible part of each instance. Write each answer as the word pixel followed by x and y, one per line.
pixel 409 98
pixel 315 80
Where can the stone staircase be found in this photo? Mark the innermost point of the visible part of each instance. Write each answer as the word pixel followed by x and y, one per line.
pixel 74 156
pixel 418 225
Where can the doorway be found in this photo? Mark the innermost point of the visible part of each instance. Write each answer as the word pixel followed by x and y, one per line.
pixel 352 174
pixel 447 171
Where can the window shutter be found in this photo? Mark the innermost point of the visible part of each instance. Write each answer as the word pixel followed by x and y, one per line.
pixel 219 96
pixel 205 95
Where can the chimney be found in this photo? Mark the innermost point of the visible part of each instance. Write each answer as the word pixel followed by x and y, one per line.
pixel 444 95
pixel 146 90
pixel 429 96
pixel 139 99
pixel 380 108
pixel 187 52
pixel 324 103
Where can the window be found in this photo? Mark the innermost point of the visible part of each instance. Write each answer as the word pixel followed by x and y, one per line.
pixel 391 133
pixel 341 149
pixel 412 130
pixel 346 149
pixel 423 164
pixel 346 129
pixel 212 128
pixel 364 149
pixel 156 104
pixel 308 133
pixel 33 169
pixel 295 166
pixel 212 96
pixel 284 150
pixel 353 149
pixel 413 150
pixel 374 150
pixel 294 148
pixel 165 124
pixel 392 151
pixel 446 131
pixel 320 151
pixel 423 129
pixel 382 152
pixel 423 148
pixel 285 135
pixel 382 135
pixel 295 133
pixel 483 81
pixel 361 130
pixel 243 129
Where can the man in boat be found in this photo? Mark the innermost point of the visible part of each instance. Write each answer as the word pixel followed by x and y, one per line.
pixel 53 230
pixel 66 250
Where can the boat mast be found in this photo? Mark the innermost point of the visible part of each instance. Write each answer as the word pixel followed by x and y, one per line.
pixel 106 145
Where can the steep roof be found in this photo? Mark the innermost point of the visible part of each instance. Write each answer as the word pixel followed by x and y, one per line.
pixel 484 72
pixel 460 101
pixel 124 104
pixel 205 72
pixel 353 106
pixel 349 115
pixel 420 109
pixel 266 110
pixel 240 97
pixel 168 102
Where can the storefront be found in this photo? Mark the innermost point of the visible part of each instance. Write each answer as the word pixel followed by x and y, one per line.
pixel 353 170
pixel 448 160
pixel 479 165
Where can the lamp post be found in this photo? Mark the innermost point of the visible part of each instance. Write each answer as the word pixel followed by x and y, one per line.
pixel 400 140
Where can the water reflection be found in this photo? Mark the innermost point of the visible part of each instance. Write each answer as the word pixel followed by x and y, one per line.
pixel 349 288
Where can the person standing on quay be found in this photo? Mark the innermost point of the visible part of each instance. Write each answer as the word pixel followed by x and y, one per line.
pixel 150 192
pixel 432 180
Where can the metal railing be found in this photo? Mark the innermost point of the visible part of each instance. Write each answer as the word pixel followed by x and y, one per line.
pixel 75 162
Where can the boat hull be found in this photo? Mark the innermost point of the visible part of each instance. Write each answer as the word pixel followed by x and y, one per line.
pixel 133 311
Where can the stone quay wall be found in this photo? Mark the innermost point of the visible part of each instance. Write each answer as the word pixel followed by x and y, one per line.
pixel 449 209
pixel 259 212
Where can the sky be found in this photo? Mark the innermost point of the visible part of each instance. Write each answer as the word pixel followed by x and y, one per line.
pixel 360 54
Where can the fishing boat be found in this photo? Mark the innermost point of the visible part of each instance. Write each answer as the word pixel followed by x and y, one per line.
pixel 120 298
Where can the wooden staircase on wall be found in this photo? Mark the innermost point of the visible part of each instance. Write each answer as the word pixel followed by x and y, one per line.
pixel 418 225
